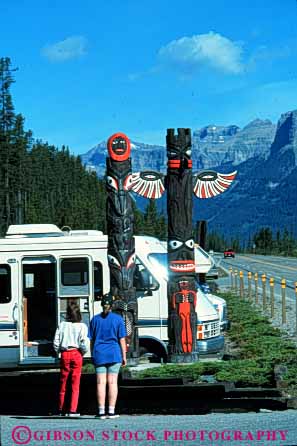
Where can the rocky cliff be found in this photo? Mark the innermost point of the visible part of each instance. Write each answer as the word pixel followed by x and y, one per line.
pixel 214 146
pixel 265 190
pixel 264 193
pixel 144 156
pixel 211 146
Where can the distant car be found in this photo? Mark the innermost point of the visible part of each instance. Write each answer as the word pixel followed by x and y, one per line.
pixel 229 253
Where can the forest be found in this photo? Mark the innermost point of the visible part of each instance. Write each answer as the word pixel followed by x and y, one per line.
pixel 264 242
pixel 41 183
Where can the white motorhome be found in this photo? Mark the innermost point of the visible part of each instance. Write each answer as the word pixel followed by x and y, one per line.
pixel 153 305
pixel 42 266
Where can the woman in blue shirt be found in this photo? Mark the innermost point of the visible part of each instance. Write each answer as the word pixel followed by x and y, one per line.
pixel 107 333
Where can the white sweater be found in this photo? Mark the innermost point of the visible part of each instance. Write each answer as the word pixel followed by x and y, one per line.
pixel 71 334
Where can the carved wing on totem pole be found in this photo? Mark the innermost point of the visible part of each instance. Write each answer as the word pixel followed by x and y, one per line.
pixel 209 183
pixel 148 184
pixel 206 184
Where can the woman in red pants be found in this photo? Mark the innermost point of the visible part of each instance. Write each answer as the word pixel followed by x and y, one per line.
pixel 71 339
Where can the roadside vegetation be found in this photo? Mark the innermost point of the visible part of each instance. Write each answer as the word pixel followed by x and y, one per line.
pixel 255 351
pixel 264 241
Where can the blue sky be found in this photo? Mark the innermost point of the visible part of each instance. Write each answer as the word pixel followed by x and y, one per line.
pixel 88 69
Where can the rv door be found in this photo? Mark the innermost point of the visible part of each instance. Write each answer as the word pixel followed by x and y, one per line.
pixel 9 313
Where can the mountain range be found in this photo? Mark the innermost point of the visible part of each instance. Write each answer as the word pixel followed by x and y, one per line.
pixel 264 192
pixel 211 146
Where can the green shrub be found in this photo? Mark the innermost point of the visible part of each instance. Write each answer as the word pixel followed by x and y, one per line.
pixel 260 347
pixel 88 367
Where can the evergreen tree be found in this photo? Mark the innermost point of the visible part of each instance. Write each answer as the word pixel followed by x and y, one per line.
pixel 215 241
pixel 235 244
pixel 21 143
pixel 287 243
pixel 7 121
pixel 264 240
pixel 277 243
pixel 151 218
pixel 138 220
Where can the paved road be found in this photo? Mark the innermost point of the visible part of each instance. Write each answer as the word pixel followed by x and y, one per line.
pixel 273 266
pixel 277 267
pixel 273 429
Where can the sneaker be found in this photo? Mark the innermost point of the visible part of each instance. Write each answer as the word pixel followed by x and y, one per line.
pixel 111 416
pixel 73 414
pixel 101 416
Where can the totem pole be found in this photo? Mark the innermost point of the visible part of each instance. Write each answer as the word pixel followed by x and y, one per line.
pixel 180 184
pixel 181 290
pixel 121 247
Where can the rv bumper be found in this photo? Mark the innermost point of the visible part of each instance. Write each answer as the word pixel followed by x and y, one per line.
pixel 212 345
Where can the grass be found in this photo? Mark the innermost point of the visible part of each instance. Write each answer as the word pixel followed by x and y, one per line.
pixel 88 367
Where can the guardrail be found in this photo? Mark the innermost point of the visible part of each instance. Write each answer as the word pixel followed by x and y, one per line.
pixel 260 291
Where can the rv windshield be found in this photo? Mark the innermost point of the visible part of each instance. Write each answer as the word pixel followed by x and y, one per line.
pixel 200 251
pixel 159 262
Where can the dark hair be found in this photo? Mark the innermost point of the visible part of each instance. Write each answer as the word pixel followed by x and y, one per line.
pixel 107 299
pixel 73 312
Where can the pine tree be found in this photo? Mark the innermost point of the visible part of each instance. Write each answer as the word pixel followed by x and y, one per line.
pixel 264 241
pixel 21 143
pixel 7 122
pixel 151 218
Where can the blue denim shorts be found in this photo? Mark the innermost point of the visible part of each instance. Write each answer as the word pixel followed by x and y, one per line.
pixel 113 367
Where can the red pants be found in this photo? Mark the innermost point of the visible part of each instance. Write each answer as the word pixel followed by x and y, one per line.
pixel 71 363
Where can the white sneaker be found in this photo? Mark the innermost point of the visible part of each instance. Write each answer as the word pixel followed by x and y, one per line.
pixel 73 414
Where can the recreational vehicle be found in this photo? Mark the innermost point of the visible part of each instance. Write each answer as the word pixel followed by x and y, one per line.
pixel 41 267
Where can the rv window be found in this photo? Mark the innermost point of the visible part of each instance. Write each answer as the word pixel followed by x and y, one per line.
pixel 29 280
pixel 98 281
pixel 5 289
pixel 74 272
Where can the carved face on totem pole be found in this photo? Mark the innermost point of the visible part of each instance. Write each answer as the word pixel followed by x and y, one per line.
pixel 179 190
pixel 121 255
pixel 119 147
pixel 180 255
pixel 179 150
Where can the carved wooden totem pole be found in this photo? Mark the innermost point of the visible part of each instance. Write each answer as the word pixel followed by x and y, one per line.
pixel 180 185
pixel 181 291
pixel 121 247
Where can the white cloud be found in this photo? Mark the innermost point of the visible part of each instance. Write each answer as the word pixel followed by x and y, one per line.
pixel 71 48
pixel 210 49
